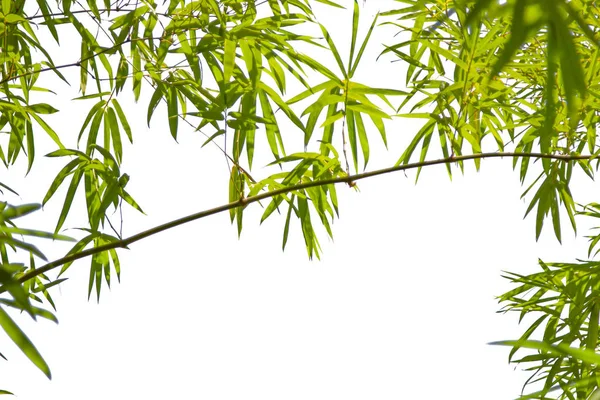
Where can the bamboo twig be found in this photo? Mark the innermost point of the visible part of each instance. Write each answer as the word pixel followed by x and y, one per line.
pixel 124 243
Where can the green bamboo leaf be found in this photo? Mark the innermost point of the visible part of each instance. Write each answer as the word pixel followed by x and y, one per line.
pixel 571 69
pixel 43 287
pixel 275 9
pixel 12 212
pixel 416 115
pixel 22 341
pixel 362 137
pixel 518 35
pixel 93 111
pixel 127 197
pixel 312 90
pixel 216 9
pixel 378 91
pixel 7 188
pixel 28 247
pixel 68 199
pixel 208 114
pixel 555 219
pixel 322 102
pixel 363 47
pixel 229 48
pixel 327 137
pixel 83 66
pixel 297 157
pixel 123 119
pixel 585 355
pixel 317 66
pixel 110 163
pixel 94 129
pixel 13 286
pixel 95 275
pixel 480 7
pixel 251 57
pixel 527 334
pixel 356 96
pixel 445 53
pixel 30 145
pixel 15 144
pixel 33 232
pixel 282 105
pixel 367 109
pixel 92 96
pixel 286 228
pixel 544 199
pixel 104 266
pixel 273 205
pixel 116 263
pixel 332 119
pixel 53 135
pixel 42 108
pixel 154 101
pixel 567 200
pixel 330 3
pixel 423 132
pixel 36 310
pixel 173 111
pixel 277 72
pixel 310 239
pixel 577 12
pixel 138 74
pixel 272 130
pixel 79 246
pixel 122 74
pixel 106 130
pixel 547 133
pixel 334 51
pixel 69 152
pixel 296 69
pixel 355 19
pixel 111 118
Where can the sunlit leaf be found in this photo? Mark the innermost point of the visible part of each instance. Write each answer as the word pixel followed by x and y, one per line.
pixel 22 341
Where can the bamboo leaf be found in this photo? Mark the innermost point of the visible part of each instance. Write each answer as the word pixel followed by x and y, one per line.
pixel 123 119
pixel 77 175
pixel 354 32
pixel 110 120
pixel 334 51
pixel 173 111
pixel 363 47
pixel 362 137
pixel 229 48
pixel 22 341
pixel 350 121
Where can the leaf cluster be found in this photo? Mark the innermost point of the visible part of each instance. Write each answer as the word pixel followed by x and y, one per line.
pixel 519 77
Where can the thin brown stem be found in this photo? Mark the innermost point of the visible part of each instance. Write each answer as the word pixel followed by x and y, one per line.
pixel 124 243
pixel 76 63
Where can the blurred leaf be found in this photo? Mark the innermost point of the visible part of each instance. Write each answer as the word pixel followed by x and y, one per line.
pixel 22 341
pixel 12 212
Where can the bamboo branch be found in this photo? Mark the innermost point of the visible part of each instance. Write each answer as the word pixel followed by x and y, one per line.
pixel 124 243
pixel 76 63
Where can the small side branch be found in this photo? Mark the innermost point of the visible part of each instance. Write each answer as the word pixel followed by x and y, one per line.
pixel 124 243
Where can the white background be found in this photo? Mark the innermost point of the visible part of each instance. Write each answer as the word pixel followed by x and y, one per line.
pixel 400 306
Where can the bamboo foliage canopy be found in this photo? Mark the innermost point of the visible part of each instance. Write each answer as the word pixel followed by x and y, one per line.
pixel 518 79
